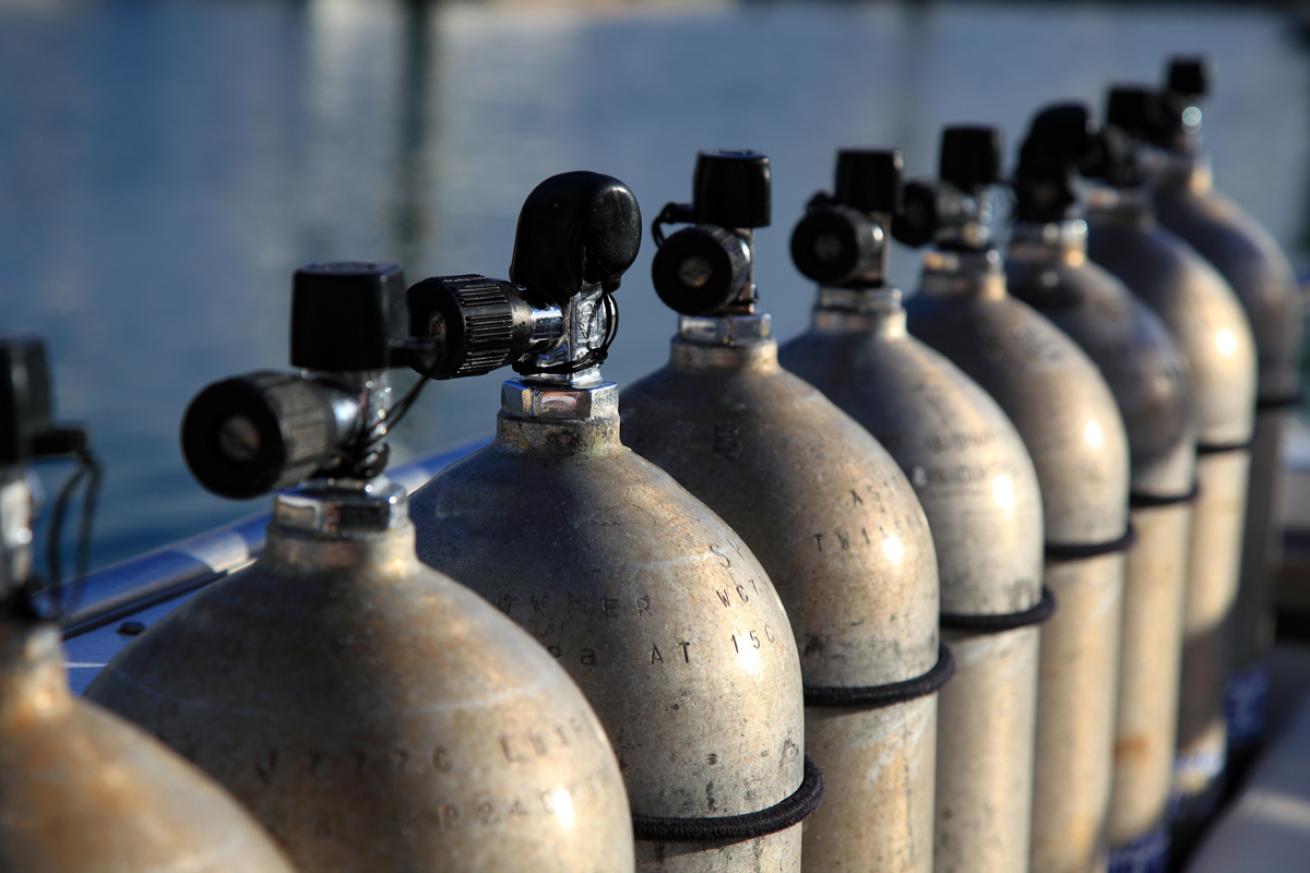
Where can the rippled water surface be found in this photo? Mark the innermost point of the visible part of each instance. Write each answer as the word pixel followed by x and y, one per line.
pixel 165 165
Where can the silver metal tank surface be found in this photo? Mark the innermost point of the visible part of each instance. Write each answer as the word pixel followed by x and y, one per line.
pixel 1070 424
pixel 82 791
pixel 649 600
pixel 1067 417
pixel 838 529
pixel 1209 328
pixel 371 712
pixel 1047 268
pixel 979 491
pixel 653 604
pixel 1249 258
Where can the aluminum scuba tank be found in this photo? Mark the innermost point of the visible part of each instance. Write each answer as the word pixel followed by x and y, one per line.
pixel 1047 267
pixel 825 508
pixel 1250 260
pixel 80 790
pixel 373 714
pixel 650 601
pixel 1211 331
pixel 1068 420
pixel 978 489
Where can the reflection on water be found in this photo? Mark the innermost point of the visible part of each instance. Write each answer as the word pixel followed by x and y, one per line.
pixel 164 166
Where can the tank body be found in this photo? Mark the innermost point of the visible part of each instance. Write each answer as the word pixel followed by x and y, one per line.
pixel 374 715
pixel 1067 418
pixel 83 792
pixel 1255 267
pixel 1209 328
pixel 839 531
pixel 979 491
pixel 1047 268
pixel 651 602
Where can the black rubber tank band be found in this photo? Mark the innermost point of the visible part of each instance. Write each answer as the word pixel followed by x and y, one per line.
pixel 1058 552
pixel 1221 448
pixel 1142 500
pixel 734 828
pixel 890 693
pixel 1036 614
pixel 1275 402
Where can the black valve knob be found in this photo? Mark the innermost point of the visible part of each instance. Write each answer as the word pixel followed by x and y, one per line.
pixel 700 269
pixel 1059 139
pixel 733 189
pixel 927 206
pixel 478 324
pixel 575 230
pixel 869 180
pixel 346 316
pixel 970 156
pixel 1188 76
pixel 245 436
pixel 1134 109
pixel 24 397
pixel 833 244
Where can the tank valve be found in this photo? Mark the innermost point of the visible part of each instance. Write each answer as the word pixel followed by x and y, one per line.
pixel 707 267
pixel 951 210
pixel 251 434
pixel 842 238
pixel 555 316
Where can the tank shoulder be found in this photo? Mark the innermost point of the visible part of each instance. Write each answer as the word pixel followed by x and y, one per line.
pixel 966 462
pixel 1134 351
pixel 823 506
pixel 1055 397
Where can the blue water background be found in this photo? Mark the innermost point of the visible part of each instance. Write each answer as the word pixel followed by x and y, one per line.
pixel 164 166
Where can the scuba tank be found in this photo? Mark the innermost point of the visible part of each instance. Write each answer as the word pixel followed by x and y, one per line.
pixel 1067 417
pixel 1250 260
pixel 825 508
pixel 1047 267
pixel 978 489
pixel 80 790
pixel 650 601
pixel 1209 328
pixel 372 713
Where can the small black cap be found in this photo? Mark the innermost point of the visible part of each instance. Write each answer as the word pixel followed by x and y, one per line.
pixel 733 189
pixel 1060 141
pixel 24 396
pixel 245 436
pixel 869 179
pixel 970 156
pixel 575 229
pixel 346 316
pixel 1188 76
pixel 699 269
pixel 1134 109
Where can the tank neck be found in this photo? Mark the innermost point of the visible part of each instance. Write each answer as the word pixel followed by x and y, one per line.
pixel 951 273
pixel 33 686
pixel 16 508
pixel 550 418
pixel 337 509
pixel 1129 206
pixel 724 342
pixel 1055 242
pixel 875 310
pixel 295 550
pixel 1172 170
